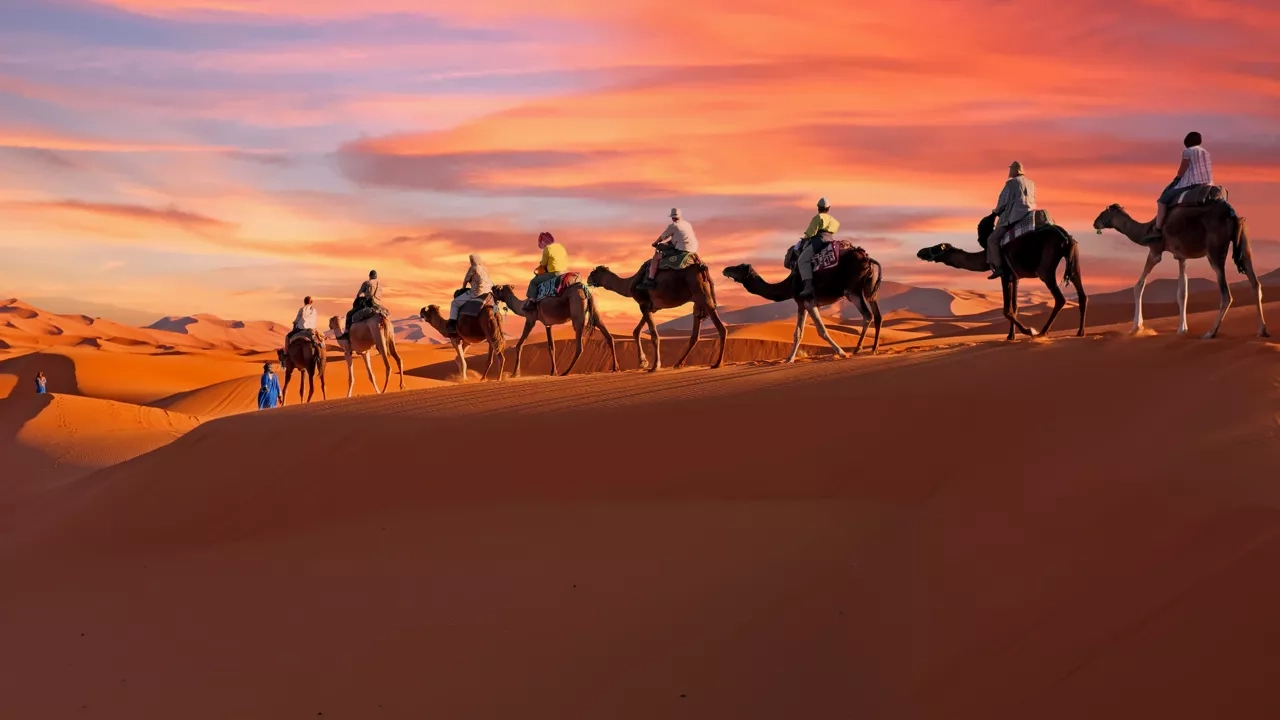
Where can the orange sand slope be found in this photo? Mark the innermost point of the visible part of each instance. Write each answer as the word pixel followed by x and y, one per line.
pixel 1101 539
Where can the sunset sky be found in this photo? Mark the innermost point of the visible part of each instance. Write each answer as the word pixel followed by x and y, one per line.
pixel 230 156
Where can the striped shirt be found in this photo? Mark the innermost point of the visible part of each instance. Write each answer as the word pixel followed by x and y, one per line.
pixel 1199 168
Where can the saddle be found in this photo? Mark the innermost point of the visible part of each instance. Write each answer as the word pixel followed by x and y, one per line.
pixel 557 286
pixel 312 336
pixel 1199 195
pixel 1037 220
pixel 365 313
pixel 825 257
pixel 477 306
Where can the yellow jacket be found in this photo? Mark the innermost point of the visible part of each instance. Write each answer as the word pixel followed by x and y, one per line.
pixel 820 222
pixel 555 259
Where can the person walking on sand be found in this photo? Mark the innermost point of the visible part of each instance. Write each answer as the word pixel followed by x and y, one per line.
pixel 269 391
pixel 42 384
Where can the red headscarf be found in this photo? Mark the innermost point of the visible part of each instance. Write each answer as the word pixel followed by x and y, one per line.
pixel 545 239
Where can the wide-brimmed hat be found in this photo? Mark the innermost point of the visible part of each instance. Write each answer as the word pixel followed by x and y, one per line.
pixel 675 213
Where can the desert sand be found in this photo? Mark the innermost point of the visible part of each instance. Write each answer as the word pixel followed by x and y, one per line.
pixel 957 527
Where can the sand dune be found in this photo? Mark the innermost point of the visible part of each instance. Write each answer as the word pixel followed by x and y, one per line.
pixel 215 332
pixel 47 441
pixel 674 545
pixel 891 571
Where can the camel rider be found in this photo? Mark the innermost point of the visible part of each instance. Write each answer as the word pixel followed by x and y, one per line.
pixel 369 295
pixel 677 238
pixel 555 260
pixel 304 322
pixel 1017 201
pixel 822 228
pixel 475 285
pixel 1195 169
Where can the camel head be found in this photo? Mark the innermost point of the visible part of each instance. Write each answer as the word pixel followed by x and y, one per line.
pixel 1107 218
pixel 597 275
pixel 281 357
pixel 430 314
pixel 935 253
pixel 503 293
pixel 739 273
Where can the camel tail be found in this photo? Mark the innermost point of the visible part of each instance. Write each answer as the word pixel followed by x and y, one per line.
pixel 879 276
pixel 1239 246
pixel 1073 259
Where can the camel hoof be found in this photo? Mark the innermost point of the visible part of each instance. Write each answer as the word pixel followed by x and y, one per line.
pixel 842 356
pixel 716 366
pixel 1263 333
pixel 1208 336
pixel 1137 329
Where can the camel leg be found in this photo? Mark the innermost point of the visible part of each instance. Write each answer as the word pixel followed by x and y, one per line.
pixel 1221 269
pixel 1181 292
pixel 351 374
pixel 368 365
pixel 608 338
pixel 462 362
pixel 1257 296
pixel 1059 300
pixel 488 363
pixel 877 318
pixel 311 383
pixel 657 342
pixel 865 312
pixel 1153 259
pixel 1082 299
pixel 579 325
pixel 800 320
pixel 324 393
pixel 528 326
pixel 693 339
pixel 551 349
pixel 501 346
pixel 822 332
pixel 724 334
pixel 395 354
pixel 639 347
pixel 288 375
pixel 1011 308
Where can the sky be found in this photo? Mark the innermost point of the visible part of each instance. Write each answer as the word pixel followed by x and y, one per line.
pixel 231 156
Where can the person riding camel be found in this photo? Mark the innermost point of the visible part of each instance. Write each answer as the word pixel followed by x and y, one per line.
pixel 555 260
pixel 305 322
pixel 1196 169
pixel 369 296
pixel 1017 201
pixel 475 285
pixel 822 228
pixel 677 238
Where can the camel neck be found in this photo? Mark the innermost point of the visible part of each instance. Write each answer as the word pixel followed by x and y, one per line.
pixel 615 283
pixel 961 260
pixel 1130 228
pixel 776 292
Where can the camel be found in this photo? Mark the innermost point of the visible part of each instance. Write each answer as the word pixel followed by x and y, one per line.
pixel 575 305
pixel 362 337
pixel 675 288
pixel 853 278
pixel 1033 255
pixel 1191 232
pixel 304 357
pixel 472 329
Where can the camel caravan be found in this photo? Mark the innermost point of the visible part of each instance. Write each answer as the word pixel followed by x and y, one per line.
pixel 1016 241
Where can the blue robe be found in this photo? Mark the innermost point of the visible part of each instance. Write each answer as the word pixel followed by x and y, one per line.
pixel 269 393
pixel 41 388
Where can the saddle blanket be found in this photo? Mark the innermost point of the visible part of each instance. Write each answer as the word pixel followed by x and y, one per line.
pixel 1035 221
pixel 678 260
pixel 829 256
pixel 365 313
pixel 1200 195
pixel 556 286
pixel 475 307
